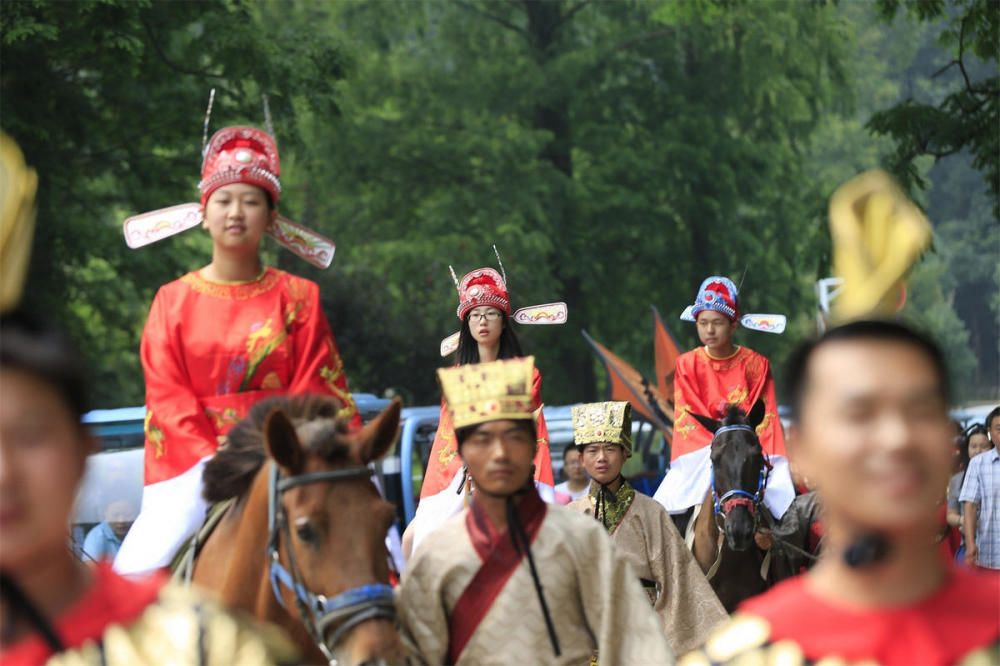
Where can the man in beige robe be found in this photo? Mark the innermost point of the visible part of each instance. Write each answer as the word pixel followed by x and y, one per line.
pixel 641 529
pixel 510 579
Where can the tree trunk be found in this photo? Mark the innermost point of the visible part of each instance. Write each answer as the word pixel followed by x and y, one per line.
pixel 575 361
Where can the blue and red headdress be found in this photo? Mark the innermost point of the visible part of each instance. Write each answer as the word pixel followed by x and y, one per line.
pixel 719 294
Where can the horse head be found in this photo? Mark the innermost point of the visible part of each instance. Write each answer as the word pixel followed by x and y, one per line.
pixel 738 471
pixel 328 532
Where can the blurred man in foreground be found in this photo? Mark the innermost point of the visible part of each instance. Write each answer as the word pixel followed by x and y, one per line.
pixel 870 403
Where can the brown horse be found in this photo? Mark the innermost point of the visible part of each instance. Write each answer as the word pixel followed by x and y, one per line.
pixel 724 529
pixel 303 545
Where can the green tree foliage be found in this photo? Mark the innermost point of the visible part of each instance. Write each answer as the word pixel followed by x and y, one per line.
pixel 106 100
pixel 966 116
pixel 615 152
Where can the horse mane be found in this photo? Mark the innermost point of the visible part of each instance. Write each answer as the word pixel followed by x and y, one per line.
pixel 734 416
pixel 233 467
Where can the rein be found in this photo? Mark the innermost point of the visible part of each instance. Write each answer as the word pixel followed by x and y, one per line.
pixel 319 614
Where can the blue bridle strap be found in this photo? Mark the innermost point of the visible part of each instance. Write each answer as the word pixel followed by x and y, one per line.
pixel 731 428
pixel 374 600
pixel 765 469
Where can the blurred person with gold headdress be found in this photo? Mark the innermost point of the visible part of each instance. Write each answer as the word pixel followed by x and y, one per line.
pixel 510 577
pixel 642 529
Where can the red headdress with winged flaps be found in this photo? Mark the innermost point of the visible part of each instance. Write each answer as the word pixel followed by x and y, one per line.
pixel 236 154
pixel 240 155
pixel 486 286
pixel 483 286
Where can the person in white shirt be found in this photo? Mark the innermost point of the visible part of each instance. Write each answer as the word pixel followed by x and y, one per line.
pixel 577 481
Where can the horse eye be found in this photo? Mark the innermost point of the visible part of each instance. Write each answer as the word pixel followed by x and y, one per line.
pixel 305 532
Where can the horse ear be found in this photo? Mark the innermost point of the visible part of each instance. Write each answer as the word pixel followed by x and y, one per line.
pixel 282 441
pixel 756 415
pixel 711 425
pixel 374 439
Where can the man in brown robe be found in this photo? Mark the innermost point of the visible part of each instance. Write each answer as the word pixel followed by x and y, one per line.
pixel 511 579
pixel 641 528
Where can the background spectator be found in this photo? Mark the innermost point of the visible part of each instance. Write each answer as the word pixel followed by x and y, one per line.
pixel 104 540
pixel 577 482
pixel 981 495
pixel 993 425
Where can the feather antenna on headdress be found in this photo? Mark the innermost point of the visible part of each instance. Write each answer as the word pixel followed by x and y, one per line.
pixel 267 119
pixel 208 115
pixel 503 273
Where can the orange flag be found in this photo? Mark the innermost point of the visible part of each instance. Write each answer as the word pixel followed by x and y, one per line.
pixel 666 350
pixel 625 383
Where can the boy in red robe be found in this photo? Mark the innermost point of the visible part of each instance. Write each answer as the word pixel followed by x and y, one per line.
pixel 709 379
pixel 870 401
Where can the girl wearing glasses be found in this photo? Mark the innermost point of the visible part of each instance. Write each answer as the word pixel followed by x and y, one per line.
pixel 486 335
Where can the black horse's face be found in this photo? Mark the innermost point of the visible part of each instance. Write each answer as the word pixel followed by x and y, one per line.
pixel 737 460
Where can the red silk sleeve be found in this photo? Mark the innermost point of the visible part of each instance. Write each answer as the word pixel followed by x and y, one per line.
pixel 772 437
pixel 689 435
pixel 543 457
pixel 443 462
pixel 318 366
pixel 178 433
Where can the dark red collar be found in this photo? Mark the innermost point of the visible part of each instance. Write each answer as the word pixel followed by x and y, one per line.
pixel 486 537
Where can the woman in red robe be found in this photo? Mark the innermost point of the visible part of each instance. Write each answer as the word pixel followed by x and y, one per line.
pixel 486 335
pixel 220 339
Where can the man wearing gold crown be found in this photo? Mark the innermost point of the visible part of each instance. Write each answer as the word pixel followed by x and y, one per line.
pixel 641 529
pixel 709 379
pixel 474 593
pixel 222 338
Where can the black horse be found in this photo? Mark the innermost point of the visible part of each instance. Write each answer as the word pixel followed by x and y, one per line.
pixel 733 506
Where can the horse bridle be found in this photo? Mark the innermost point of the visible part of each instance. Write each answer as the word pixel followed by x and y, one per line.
pixel 319 614
pixel 737 496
